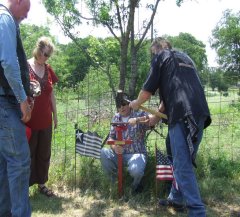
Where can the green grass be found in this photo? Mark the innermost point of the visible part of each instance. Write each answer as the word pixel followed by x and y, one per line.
pixel 84 191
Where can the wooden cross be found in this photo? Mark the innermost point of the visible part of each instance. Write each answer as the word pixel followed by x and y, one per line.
pixel 120 127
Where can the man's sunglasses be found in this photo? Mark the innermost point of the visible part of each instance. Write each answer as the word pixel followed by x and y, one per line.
pixel 122 104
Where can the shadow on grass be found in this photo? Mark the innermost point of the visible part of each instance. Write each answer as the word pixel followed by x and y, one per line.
pixel 51 205
pixel 93 204
pixel 98 197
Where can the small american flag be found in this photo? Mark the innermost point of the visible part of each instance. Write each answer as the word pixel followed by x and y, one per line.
pixel 164 168
pixel 88 144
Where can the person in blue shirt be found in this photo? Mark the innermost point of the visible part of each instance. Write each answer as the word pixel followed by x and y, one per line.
pixel 14 112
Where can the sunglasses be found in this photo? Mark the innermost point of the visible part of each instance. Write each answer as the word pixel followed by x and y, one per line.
pixel 46 54
pixel 122 104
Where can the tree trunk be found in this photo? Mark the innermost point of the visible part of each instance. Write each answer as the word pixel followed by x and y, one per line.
pixel 134 68
pixel 123 63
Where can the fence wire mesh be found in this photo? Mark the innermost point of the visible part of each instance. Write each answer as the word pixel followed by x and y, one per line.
pixel 92 110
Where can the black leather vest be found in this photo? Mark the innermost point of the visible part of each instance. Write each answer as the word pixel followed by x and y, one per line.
pixel 22 60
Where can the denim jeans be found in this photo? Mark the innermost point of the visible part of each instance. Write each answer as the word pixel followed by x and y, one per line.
pixel 14 161
pixel 183 170
pixel 135 163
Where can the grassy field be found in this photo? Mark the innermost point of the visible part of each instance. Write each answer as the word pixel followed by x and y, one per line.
pixel 91 204
pixel 82 189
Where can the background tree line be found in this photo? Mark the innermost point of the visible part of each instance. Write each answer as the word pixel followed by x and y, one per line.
pixel 105 57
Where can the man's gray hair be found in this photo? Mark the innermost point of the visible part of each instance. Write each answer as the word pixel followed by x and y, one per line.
pixel 161 43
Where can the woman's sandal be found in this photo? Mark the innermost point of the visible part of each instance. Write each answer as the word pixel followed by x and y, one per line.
pixel 44 190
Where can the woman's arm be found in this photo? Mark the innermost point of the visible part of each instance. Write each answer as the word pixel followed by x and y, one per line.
pixel 54 109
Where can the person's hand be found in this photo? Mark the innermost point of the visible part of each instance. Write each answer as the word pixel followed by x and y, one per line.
pixel 161 107
pixel 133 121
pixel 31 102
pixel 137 120
pixel 26 111
pixel 134 104
pixel 153 120
pixel 118 149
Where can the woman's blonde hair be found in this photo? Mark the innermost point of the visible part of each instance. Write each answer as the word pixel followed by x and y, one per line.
pixel 43 42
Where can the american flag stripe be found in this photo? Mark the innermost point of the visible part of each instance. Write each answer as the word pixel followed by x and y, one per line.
pixel 167 167
pixel 164 168
pixel 164 172
pixel 164 178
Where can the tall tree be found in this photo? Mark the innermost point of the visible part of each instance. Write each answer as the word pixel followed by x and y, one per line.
pixel 188 44
pixel 226 40
pixel 118 16
pixel 30 35
pixel 217 79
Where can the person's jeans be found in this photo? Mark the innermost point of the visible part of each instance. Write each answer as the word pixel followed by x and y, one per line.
pixel 14 161
pixel 135 163
pixel 183 170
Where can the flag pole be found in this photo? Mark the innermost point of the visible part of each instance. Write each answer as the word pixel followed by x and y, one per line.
pixel 75 156
pixel 156 178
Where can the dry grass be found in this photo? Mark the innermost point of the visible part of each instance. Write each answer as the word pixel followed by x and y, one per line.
pixel 76 204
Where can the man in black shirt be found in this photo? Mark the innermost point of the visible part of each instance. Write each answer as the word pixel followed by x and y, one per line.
pixel 173 73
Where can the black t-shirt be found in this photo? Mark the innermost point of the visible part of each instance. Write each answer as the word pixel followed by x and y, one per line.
pixel 174 74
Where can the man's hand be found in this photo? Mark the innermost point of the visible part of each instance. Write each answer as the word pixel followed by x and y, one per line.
pixel 161 107
pixel 153 120
pixel 142 98
pixel 133 121
pixel 31 102
pixel 26 111
pixel 134 104
pixel 138 120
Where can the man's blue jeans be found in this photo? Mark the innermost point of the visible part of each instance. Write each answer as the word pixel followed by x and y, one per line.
pixel 135 163
pixel 183 170
pixel 14 161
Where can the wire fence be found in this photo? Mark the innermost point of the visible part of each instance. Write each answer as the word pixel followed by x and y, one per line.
pixel 93 111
